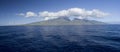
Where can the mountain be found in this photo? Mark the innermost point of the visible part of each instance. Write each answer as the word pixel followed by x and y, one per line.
pixel 66 21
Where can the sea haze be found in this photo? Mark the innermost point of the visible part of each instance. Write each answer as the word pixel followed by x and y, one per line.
pixel 82 38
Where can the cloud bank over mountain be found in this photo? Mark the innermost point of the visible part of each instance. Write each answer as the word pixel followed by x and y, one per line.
pixel 69 13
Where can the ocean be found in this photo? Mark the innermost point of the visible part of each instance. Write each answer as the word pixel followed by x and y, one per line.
pixel 84 38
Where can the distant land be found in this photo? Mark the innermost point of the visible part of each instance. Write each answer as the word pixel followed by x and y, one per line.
pixel 66 21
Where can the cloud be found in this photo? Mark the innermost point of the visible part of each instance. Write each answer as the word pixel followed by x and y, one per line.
pixel 97 13
pixel 28 14
pixel 79 13
pixel 73 12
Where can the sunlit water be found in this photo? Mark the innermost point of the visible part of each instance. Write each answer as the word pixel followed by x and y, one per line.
pixel 104 38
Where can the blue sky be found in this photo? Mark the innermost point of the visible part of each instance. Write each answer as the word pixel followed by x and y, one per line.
pixel 10 8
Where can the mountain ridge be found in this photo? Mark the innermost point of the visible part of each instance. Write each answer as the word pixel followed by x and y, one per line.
pixel 66 21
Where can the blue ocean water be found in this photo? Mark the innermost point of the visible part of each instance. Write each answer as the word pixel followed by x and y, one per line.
pixel 91 38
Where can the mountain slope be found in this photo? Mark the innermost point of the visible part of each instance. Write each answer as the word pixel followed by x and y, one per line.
pixel 66 21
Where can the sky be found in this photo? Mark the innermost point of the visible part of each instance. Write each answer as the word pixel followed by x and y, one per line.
pixel 13 12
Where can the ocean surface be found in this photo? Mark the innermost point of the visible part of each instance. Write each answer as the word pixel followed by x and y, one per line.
pixel 91 38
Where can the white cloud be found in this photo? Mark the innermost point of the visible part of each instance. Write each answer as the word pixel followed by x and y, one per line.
pixel 73 12
pixel 28 14
pixel 69 13
pixel 97 13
